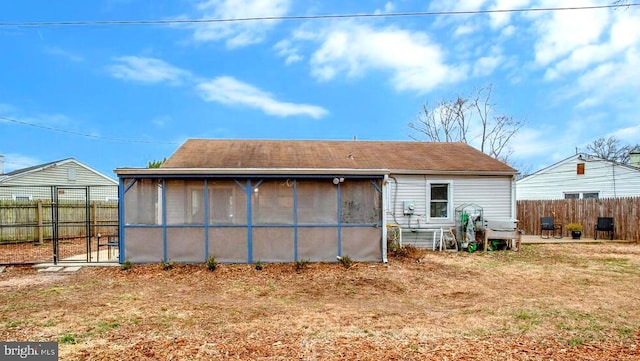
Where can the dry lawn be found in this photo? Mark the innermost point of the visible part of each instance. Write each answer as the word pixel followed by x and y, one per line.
pixel 547 302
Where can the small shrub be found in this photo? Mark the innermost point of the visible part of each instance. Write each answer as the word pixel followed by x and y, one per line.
pixel 166 265
pixel 68 339
pixel 573 227
pixel 126 265
pixel 345 260
pixel 301 265
pixel 212 264
pixel 258 265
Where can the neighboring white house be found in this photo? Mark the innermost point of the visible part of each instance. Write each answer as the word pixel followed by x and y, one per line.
pixel 284 201
pixel 582 176
pixel 69 178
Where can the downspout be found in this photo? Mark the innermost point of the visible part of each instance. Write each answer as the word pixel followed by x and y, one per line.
pixel 613 171
pixel 514 202
pixel 385 206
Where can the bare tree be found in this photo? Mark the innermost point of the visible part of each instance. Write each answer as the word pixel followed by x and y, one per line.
pixel 444 123
pixel 455 120
pixel 611 149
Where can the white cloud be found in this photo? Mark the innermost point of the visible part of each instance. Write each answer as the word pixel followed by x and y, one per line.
pixel 486 65
pixel 628 135
pixel 624 34
pixel 389 7
pixel 415 62
pixel 54 50
pixel 238 33
pixel 464 29
pixel 7 108
pixel 14 161
pixel 285 49
pixel 161 121
pixel 561 32
pixel 147 70
pixel 230 91
pixel 459 5
pixel 503 19
pixel 612 80
pixel 591 55
pixel 529 142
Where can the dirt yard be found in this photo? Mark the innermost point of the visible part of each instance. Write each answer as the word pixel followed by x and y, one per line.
pixel 547 302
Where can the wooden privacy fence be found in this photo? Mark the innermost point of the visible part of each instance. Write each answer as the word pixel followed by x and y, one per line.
pixel 625 213
pixel 31 221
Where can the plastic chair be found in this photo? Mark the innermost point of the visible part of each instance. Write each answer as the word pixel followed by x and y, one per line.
pixel 604 224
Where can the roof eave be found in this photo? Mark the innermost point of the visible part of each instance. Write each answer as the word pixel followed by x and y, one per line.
pixel 453 172
pixel 297 171
pixel 246 171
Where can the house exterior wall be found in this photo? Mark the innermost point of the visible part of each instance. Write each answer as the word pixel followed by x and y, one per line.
pixel 494 194
pixel 36 184
pixel 607 179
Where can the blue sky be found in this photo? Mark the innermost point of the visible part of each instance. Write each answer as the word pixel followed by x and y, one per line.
pixel 573 75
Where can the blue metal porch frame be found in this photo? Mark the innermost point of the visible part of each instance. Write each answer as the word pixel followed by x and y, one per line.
pixel 248 189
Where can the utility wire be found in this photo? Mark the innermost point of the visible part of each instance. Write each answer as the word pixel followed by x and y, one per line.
pixel 306 17
pixel 122 140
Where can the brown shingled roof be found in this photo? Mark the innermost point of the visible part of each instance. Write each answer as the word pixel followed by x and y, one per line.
pixel 323 154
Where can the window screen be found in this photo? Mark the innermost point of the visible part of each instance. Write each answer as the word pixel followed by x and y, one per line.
pixel 185 201
pixel 143 203
pixel 360 202
pixel 227 203
pixel 317 202
pixel 273 202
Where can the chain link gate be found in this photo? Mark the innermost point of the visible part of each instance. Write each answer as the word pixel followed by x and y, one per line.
pixel 40 224
pixel 71 227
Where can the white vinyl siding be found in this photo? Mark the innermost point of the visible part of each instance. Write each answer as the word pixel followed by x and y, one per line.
pixel 493 193
pixel 59 175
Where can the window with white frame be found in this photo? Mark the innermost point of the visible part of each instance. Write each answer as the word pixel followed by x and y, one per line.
pixel 22 197
pixel 439 200
pixel 581 195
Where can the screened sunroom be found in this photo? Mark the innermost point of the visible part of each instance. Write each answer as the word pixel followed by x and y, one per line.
pixel 241 219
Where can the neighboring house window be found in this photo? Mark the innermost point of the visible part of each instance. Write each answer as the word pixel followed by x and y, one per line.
pixel 439 201
pixel 580 169
pixel 22 197
pixel 71 174
pixel 582 195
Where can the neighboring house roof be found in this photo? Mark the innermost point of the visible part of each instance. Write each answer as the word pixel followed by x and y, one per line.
pixel 30 170
pixel 398 157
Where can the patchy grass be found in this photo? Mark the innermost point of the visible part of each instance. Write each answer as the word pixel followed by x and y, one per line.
pixel 561 302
